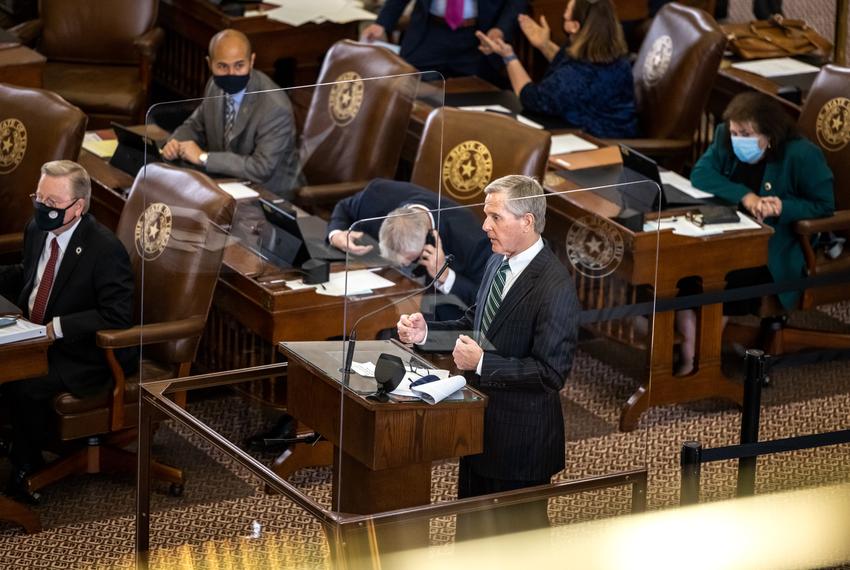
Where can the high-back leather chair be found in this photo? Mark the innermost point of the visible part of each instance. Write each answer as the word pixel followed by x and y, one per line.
pixel 99 54
pixel 355 125
pixel 673 75
pixel 176 268
pixel 461 152
pixel 36 126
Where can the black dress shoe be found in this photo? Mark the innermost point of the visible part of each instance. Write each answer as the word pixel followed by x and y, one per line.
pixel 17 489
pixel 270 440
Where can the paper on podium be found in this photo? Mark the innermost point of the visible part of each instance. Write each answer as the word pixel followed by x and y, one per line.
pixel 439 390
pixel 22 330
pixel 684 227
pixel 404 389
pixel 360 282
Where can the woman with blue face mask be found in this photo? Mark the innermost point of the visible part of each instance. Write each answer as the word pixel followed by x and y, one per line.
pixel 760 162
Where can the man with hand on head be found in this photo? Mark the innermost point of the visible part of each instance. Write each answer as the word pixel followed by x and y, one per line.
pixel 416 225
pixel 244 127
pixel 76 279
pixel 527 311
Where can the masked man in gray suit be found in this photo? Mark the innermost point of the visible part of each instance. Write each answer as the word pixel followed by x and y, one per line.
pixel 526 314
pixel 244 127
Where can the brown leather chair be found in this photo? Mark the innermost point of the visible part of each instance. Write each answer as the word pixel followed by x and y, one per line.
pixel 36 126
pixel 463 151
pixel 354 130
pixel 175 274
pixel 823 120
pixel 99 54
pixel 674 73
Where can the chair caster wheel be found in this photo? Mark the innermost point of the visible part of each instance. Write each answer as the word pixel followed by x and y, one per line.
pixel 175 490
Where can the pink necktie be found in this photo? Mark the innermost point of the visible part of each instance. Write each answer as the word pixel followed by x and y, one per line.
pixel 45 286
pixel 454 13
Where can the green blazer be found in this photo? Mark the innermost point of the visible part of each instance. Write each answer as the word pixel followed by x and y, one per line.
pixel 798 175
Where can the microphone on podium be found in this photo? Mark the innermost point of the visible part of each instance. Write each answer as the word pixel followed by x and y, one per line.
pixel 352 336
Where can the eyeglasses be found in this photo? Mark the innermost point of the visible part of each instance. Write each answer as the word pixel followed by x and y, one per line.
pixel 49 202
pixel 420 371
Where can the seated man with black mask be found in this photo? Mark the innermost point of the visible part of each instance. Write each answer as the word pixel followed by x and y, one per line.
pixel 236 131
pixel 76 279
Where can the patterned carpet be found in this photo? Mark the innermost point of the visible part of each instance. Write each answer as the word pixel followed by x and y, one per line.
pixel 224 510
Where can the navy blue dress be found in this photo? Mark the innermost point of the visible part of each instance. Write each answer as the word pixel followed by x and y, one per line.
pixel 598 98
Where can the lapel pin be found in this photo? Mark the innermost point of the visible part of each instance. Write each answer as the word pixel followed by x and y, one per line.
pixel 79 250
pixel 767 186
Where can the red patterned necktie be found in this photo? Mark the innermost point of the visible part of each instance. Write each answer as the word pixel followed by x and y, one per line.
pixel 46 285
pixel 454 13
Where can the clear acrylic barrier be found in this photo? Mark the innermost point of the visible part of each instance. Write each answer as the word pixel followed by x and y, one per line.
pixel 610 401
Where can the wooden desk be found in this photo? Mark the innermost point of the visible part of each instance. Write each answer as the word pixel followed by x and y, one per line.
pixel 26 359
pixel 731 81
pixel 710 258
pixel 189 25
pixel 382 451
pixel 21 66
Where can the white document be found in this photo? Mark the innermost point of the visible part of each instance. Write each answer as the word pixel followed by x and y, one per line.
pixel 439 390
pixel 528 122
pixel 299 12
pixel 683 184
pixel 684 227
pixel 365 369
pixel 238 190
pixel 776 67
pixel 22 330
pixel 562 144
pixel 360 282
pixel 404 389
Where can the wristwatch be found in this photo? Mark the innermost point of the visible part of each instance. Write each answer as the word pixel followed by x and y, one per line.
pixel 203 158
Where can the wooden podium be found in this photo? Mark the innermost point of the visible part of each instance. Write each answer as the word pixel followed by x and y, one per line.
pixel 382 451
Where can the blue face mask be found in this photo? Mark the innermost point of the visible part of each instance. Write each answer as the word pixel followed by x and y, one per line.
pixel 747 149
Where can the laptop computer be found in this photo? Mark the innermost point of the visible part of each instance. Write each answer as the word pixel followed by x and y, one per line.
pixel 670 195
pixel 294 240
pixel 135 150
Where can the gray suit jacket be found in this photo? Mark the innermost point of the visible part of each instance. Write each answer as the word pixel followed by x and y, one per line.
pixel 534 333
pixel 262 147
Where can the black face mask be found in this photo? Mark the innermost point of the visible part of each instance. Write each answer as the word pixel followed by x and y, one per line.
pixel 231 84
pixel 48 219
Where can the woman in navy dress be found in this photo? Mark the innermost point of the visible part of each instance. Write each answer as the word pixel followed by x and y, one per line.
pixel 589 82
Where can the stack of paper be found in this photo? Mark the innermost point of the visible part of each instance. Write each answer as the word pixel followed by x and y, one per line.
pixel 238 190
pixel 300 12
pixel 360 282
pixel 776 67
pixel 684 227
pixel 563 144
pixel 21 330
pixel 104 148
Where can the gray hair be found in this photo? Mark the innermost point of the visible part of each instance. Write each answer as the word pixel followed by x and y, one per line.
pixel 523 195
pixel 402 232
pixel 79 179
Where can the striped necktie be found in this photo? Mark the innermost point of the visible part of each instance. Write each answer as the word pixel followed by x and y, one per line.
pixel 46 284
pixel 229 117
pixel 494 297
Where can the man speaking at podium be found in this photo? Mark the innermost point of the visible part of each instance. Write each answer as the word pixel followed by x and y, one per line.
pixel 527 310
pixel 236 131
pixel 75 279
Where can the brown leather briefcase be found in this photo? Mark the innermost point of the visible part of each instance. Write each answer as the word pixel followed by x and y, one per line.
pixel 777 37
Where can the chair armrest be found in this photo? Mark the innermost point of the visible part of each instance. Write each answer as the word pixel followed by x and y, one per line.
pixel 11 243
pixel 153 333
pixel 655 147
pixel 324 193
pixel 148 43
pixel 840 220
pixel 28 31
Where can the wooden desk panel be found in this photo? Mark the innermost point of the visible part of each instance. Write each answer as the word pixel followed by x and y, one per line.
pixel 21 66
pixel 709 258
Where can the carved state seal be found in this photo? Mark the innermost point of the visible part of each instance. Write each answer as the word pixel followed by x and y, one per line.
pixel 13 144
pixel 594 247
pixel 467 169
pixel 346 98
pixel 658 59
pixel 153 230
pixel 833 124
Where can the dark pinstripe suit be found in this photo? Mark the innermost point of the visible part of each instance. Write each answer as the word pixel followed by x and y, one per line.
pixel 534 334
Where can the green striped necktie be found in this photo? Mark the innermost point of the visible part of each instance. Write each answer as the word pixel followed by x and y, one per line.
pixel 494 297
